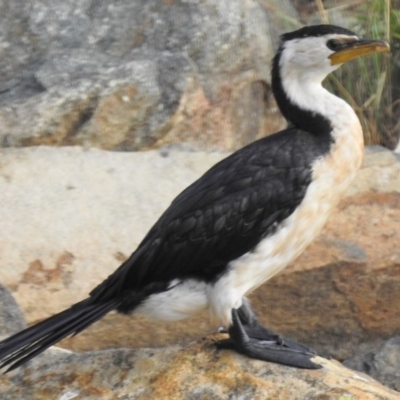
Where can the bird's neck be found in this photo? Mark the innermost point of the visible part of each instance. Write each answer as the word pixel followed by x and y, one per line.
pixel 306 104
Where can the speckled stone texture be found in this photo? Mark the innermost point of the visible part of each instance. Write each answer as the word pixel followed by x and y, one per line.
pixel 130 75
pixel 193 372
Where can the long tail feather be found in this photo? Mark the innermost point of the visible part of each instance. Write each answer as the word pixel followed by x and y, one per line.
pixel 21 347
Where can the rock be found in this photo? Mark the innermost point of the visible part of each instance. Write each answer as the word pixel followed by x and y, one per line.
pixel 379 172
pixel 137 75
pixel 195 371
pixel 70 216
pixel 11 317
pixel 20 50
pixel 381 362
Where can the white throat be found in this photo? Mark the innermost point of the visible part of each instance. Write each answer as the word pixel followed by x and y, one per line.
pixel 303 67
pixel 306 91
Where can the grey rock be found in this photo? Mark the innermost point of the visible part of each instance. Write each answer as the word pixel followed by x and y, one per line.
pixel 131 75
pixel 380 172
pixel 350 251
pixel 20 50
pixel 382 362
pixel 191 372
pixel 378 156
pixel 11 317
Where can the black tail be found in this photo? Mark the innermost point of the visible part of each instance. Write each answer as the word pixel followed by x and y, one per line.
pixel 21 347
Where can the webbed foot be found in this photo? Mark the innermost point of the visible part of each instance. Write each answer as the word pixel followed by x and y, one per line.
pixel 250 338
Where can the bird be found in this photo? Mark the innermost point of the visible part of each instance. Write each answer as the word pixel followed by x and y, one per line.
pixel 242 221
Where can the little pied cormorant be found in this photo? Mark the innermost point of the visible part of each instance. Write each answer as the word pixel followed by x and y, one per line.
pixel 244 220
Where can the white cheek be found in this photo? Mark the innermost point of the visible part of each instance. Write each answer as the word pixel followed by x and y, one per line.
pixel 306 56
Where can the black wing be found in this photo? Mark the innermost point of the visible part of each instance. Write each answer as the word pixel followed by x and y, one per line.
pixel 221 216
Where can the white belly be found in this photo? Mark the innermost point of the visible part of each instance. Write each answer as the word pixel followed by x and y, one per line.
pixel 183 300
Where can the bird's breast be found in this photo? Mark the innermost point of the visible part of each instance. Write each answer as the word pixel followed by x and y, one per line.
pixel 331 176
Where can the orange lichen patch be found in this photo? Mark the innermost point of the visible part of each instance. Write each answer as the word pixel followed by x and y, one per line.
pixel 85 381
pixel 39 275
pixel 391 200
pixel 111 104
pixel 64 125
pixel 65 258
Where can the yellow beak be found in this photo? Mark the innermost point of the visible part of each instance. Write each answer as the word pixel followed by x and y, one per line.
pixel 358 48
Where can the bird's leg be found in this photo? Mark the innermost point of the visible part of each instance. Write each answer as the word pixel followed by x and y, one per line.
pixel 249 337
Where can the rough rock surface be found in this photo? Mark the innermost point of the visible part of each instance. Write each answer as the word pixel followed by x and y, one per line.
pixel 382 362
pixel 137 74
pixel 11 317
pixel 194 371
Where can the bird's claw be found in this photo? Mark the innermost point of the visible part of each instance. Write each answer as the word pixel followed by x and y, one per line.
pixel 266 347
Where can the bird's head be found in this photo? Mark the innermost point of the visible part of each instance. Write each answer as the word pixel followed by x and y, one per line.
pixel 315 51
pixel 304 58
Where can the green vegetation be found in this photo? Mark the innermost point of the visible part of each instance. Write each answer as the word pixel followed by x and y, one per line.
pixel 372 84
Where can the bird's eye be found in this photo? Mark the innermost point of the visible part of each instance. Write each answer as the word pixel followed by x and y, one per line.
pixel 334 44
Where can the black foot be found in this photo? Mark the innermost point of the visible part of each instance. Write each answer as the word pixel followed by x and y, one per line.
pixel 250 338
